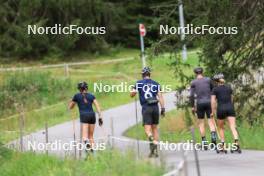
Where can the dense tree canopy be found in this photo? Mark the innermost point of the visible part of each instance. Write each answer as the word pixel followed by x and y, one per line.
pixel 238 56
pixel 17 14
pixel 120 18
pixel 234 55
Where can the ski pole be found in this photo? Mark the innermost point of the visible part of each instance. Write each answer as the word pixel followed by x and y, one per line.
pixel 74 134
pixel 195 154
pixel 136 109
pixel 216 128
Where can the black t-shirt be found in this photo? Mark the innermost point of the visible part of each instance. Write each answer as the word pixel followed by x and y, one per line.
pixel 223 94
pixel 84 107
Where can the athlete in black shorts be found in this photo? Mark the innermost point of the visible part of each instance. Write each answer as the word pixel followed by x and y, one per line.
pixel 150 95
pixel 85 100
pixel 222 96
pixel 201 89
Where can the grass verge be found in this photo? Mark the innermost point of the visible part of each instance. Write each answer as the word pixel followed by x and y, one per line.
pixel 49 104
pixel 104 163
pixel 174 128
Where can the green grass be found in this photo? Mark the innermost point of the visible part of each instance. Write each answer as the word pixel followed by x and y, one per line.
pixel 103 164
pixel 32 89
pixel 114 53
pixel 173 128
pixel 56 100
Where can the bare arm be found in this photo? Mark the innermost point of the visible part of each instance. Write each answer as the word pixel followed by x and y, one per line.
pixel 161 99
pixel 213 104
pixel 97 106
pixel 71 105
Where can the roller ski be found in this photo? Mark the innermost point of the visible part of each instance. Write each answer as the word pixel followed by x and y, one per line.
pixel 237 148
pixel 221 149
pixel 153 148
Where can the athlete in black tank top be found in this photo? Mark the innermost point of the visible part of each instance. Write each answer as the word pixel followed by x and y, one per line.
pixel 222 105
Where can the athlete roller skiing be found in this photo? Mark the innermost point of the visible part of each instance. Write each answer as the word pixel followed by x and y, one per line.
pixel 85 102
pixel 150 96
pixel 201 89
pixel 223 107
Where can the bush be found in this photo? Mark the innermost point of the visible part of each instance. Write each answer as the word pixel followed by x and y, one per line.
pixel 32 89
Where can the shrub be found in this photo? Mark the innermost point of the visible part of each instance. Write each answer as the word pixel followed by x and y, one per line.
pixel 32 89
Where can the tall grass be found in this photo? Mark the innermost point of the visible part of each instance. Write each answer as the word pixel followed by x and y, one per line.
pixel 173 128
pixel 41 88
pixel 32 89
pixel 102 164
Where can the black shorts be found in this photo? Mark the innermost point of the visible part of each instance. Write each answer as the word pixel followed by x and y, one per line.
pixel 202 109
pixel 225 110
pixel 88 118
pixel 150 114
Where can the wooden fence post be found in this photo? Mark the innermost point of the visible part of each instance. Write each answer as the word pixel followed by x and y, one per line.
pixel 46 135
pixel 80 151
pixel 21 127
pixel 66 70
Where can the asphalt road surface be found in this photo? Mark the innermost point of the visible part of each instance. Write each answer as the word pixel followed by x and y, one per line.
pixel 118 120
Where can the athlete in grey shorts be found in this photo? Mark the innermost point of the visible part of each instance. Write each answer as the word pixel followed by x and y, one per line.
pixel 201 88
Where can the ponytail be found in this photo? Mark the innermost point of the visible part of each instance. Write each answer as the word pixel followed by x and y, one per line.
pixel 84 95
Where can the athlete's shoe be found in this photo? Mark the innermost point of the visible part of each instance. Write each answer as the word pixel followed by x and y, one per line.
pixel 155 153
pixel 151 146
pixel 204 145
pixel 214 143
pixel 88 147
pixel 221 148
pixel 213 140
pixel 238 149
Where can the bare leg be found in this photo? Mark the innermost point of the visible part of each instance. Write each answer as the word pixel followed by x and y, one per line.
pixel 211 124
pixel 84 132
pixel 201 127
pixel 148 130
pixel 232 125
pixel 155 133
pixel 221 124
pixel 91 134
pixel 156 139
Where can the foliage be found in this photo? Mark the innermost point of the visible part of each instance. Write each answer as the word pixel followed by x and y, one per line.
pixel 32 89
pixel 237 56
pixel 121 19
pixel 173 128
pixel 17 14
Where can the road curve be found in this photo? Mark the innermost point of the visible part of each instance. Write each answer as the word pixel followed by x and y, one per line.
pixel 122 117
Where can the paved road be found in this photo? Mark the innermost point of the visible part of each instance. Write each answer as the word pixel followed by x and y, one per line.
pixel 246 164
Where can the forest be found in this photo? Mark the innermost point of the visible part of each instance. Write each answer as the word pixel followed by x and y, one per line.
pixel 234 55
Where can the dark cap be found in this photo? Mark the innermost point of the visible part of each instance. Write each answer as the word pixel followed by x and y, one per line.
pixel 198 70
